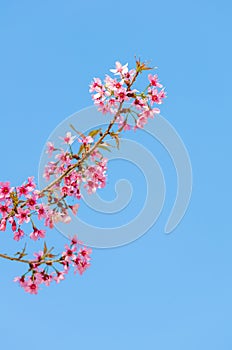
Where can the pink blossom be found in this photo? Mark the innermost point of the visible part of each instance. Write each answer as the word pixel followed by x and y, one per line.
pixel 36 234
pixel 69 253
pixel 32 201
pixel 69 139
pixel 75 240
pixel 5 208
pixel 46 278
pixel 21 281
pixel 23 215
pixel 3 224
pixel 120 69
pixel 39 255
pixel 162 94
pixel 74 208
pixel 129 76
pixel 149 113
pixel 139 103
pixel 141 121
pixel 22 190
pixel 104 108
pixel 59 277
pixel 154 81
pixel 120 120
pixel 13 226
pixel 31 287
pixel 30 184
pixel 5 190
pixel 155 96
pixel 121 95
pixel 96 85
pixel 86 140
pixel 85 253
pixel 63 157
pixel 42 211
pixel 126 127
pixel 50 148
pixel 18 234
pixel 95 154
pixel 81 265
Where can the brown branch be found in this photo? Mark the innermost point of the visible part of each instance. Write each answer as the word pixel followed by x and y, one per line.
pixel 30 262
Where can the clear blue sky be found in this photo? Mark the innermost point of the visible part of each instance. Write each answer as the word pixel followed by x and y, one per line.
pixel 163 291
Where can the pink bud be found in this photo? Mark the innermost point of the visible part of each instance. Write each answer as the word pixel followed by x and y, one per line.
pixel 14 226
pixel 3 225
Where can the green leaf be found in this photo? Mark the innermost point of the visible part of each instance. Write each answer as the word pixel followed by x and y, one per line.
pixel 45 248
pixel 78 132
pixel 81 149
pixel 94 132
pixel 104 147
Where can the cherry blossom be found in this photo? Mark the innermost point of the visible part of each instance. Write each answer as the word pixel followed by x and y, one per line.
pixel 120 69
pixel 69 139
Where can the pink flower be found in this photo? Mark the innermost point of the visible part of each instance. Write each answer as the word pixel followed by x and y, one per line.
pixel 74 208
pixel 13 225
pixel 120 120
pixel 75 240
pixel 30 184
pixel 139 103
pixel 21 281
pixel 63 157
pixel 23 215
pixel 18 234
pixel 36 234
pixel 129 76
pixel 81 265
pixel 31 202
pixel 154 81
pixel 5 190
pixel 149 113
pixel 50 148
pixel 121 95
pixel 126 127
pixel 46 278
pixel 59 277
pixel 39 255
pixel 5 209
pixel 3 225
pixel 86 140
pixel 49 221
pixel 96 85
pixel 69 139
pixel 22 190
pixel 141 121
pixel 120 69
pixel 85 253
pixel 31 287
pixel 41 211
pixel 69 253
pixel 155 96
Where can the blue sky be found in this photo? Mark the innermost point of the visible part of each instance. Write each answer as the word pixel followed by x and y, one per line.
pixel 162 291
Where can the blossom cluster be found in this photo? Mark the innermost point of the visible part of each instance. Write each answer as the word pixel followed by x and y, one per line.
pixel 75 255
pixel 19 205
pixel 108 95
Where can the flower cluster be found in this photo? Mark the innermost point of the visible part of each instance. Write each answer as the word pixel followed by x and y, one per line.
pixel 75 255
pixel 108 95
pixel 19 205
